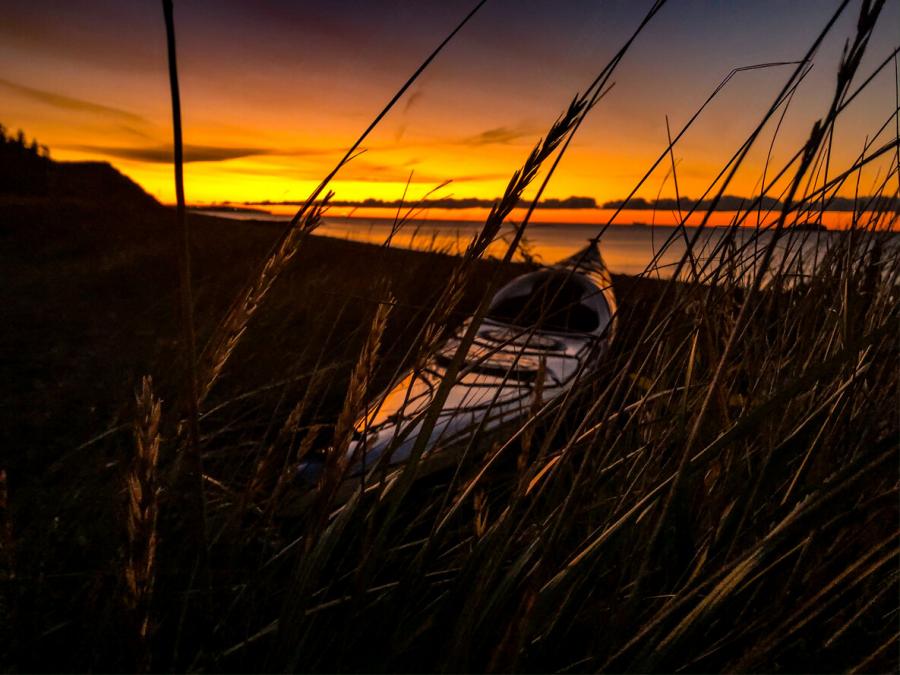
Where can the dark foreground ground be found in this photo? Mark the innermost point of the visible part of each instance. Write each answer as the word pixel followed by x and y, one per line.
pixel 89 306
pixel 777 551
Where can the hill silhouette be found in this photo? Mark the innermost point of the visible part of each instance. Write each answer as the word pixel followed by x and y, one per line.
pixel 27 171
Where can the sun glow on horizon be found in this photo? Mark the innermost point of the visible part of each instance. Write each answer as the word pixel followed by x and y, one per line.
pixel 266 117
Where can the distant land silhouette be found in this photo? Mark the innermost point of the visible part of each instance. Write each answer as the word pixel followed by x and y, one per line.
pixel 442 203
pixel 27 171
pixel 726 203
pixel 735 203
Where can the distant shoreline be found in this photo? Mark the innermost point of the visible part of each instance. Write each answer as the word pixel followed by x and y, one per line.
pixel 725 203
pixel 387 216
pixel 225 208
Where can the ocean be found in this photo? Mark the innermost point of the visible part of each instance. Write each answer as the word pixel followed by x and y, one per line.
pixel 627 249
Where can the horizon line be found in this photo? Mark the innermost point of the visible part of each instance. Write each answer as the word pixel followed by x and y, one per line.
pixel 726 203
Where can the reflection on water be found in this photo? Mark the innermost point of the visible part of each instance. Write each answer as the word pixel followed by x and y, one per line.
pixel 626 249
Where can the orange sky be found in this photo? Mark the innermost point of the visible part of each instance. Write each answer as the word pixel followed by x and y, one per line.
pixel 272 96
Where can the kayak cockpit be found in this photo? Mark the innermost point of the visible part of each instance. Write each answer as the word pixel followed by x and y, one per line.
pixel 555 300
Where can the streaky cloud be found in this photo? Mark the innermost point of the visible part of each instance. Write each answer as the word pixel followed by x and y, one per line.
pixel 162 154
pixel 72 104
pixel 502 135
pixel 413 98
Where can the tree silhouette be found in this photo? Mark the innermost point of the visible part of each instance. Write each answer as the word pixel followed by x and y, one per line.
pixel 24 166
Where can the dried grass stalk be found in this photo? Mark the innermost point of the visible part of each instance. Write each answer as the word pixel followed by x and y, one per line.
pixel 233 326
pixel 265 468
pixel 354 406
pixel 358 390
pixel 143 508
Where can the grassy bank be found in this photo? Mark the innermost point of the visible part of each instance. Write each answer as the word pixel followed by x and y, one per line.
pixel 783 520
pixel 88 310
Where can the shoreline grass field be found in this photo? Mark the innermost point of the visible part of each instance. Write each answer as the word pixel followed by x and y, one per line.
pixel 68 446
pixel 88 306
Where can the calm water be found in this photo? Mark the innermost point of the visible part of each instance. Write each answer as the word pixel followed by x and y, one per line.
pixel 626 249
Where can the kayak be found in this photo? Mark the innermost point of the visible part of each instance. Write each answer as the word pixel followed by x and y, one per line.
pixel 542 332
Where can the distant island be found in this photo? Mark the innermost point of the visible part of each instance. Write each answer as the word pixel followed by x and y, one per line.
pixel 736 203
pixel 726 203
pixel 442 203
pixel 227 208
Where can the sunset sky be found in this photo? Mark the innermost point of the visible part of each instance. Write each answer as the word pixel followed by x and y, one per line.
pixel 273 92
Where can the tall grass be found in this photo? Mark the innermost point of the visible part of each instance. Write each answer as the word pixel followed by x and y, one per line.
pixel 721 494
pixel 722 498
pixel 143 513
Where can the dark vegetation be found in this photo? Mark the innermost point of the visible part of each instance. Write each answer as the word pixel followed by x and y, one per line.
pixel 88 310
pixel 87 307
pixel 725 203
pixel 453 203
pixel 24 166
pixel 28 173
pixel 734 203
pixel 724 496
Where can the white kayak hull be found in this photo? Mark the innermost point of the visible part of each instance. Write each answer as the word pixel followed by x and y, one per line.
pixel 544 330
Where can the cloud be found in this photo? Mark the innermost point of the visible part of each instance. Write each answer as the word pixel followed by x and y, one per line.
pixel 134 131
pixel 162 154
pixel 69 103
pixel 498 135
pixel 414 98
pixel 374 172
pixel 476 177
